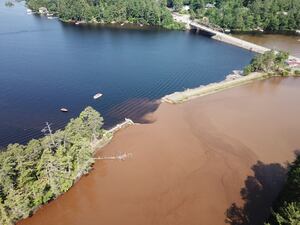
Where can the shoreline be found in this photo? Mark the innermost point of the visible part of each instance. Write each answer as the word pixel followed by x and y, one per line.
pixel 190 94
pixel 213 88
pixel 96 147
pixel 188 166
pixel 220 36
pixel 109 134
pixel 174 98
pixel 185 26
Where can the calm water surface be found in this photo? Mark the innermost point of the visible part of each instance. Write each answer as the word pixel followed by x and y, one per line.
pixel 46 65
pixel 289 43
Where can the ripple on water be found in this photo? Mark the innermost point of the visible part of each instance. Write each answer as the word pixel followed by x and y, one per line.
pixel 56 65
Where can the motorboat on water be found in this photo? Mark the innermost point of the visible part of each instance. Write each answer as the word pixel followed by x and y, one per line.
pixel 98 95
pixel 64 110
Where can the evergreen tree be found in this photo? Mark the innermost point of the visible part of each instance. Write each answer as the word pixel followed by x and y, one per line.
pixel 33 174
pixel 150 12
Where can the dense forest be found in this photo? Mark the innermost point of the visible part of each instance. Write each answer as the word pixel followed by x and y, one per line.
pixel 237 15
pixel 245 15
pixel 34 174
pixel 286 210
pixel 149 12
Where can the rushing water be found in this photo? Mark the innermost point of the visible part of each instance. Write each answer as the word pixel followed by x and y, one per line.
pixel 46 65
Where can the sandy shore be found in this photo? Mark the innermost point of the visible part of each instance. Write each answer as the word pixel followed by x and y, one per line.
pixel 191 163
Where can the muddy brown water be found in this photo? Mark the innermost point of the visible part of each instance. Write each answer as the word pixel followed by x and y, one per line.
pixel 192 163
pixel 289 43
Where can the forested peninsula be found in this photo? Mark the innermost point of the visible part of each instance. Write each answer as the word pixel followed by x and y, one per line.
pixel 146 12
pixel 33 174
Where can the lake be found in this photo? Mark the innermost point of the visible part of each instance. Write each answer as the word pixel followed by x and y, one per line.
pixel 46 65
pixel 192 163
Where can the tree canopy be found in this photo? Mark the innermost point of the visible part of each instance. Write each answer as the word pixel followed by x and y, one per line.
pixel 268 62
pixel 33 174
pixel 287 207
pixel 149 12
pixel 247 15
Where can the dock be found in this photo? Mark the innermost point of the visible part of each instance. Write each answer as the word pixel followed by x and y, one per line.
pixel 108 134
pixel 126 123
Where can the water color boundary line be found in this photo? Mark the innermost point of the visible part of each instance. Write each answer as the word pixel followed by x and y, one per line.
pixel 244 44
pixel 219 36
pixel 189 94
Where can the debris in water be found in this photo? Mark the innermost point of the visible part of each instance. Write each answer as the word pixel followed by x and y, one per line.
pixel 120 156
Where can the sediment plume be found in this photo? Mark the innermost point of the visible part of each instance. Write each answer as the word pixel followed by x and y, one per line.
pixel 216 159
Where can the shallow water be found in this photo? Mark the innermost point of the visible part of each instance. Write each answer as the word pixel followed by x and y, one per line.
pixel 46 65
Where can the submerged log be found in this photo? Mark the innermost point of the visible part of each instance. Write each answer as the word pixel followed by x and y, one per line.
pixel 121 156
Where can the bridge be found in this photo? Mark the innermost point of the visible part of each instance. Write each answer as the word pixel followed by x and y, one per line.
pixel 220 36
pixel 217 35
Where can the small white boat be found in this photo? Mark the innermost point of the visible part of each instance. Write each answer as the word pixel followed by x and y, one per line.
pixel 64 110
pixel 77 23
pixel 98 95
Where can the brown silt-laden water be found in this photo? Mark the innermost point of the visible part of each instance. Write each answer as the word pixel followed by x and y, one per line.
pixel 289 43
pixel 192 163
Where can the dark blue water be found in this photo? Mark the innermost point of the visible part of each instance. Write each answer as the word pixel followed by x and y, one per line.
pixel 46 65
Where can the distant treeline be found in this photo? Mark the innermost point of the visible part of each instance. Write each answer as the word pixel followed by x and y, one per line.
pixel 245 15
pixel 286 210
pixel 149 12
pixel 33 174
